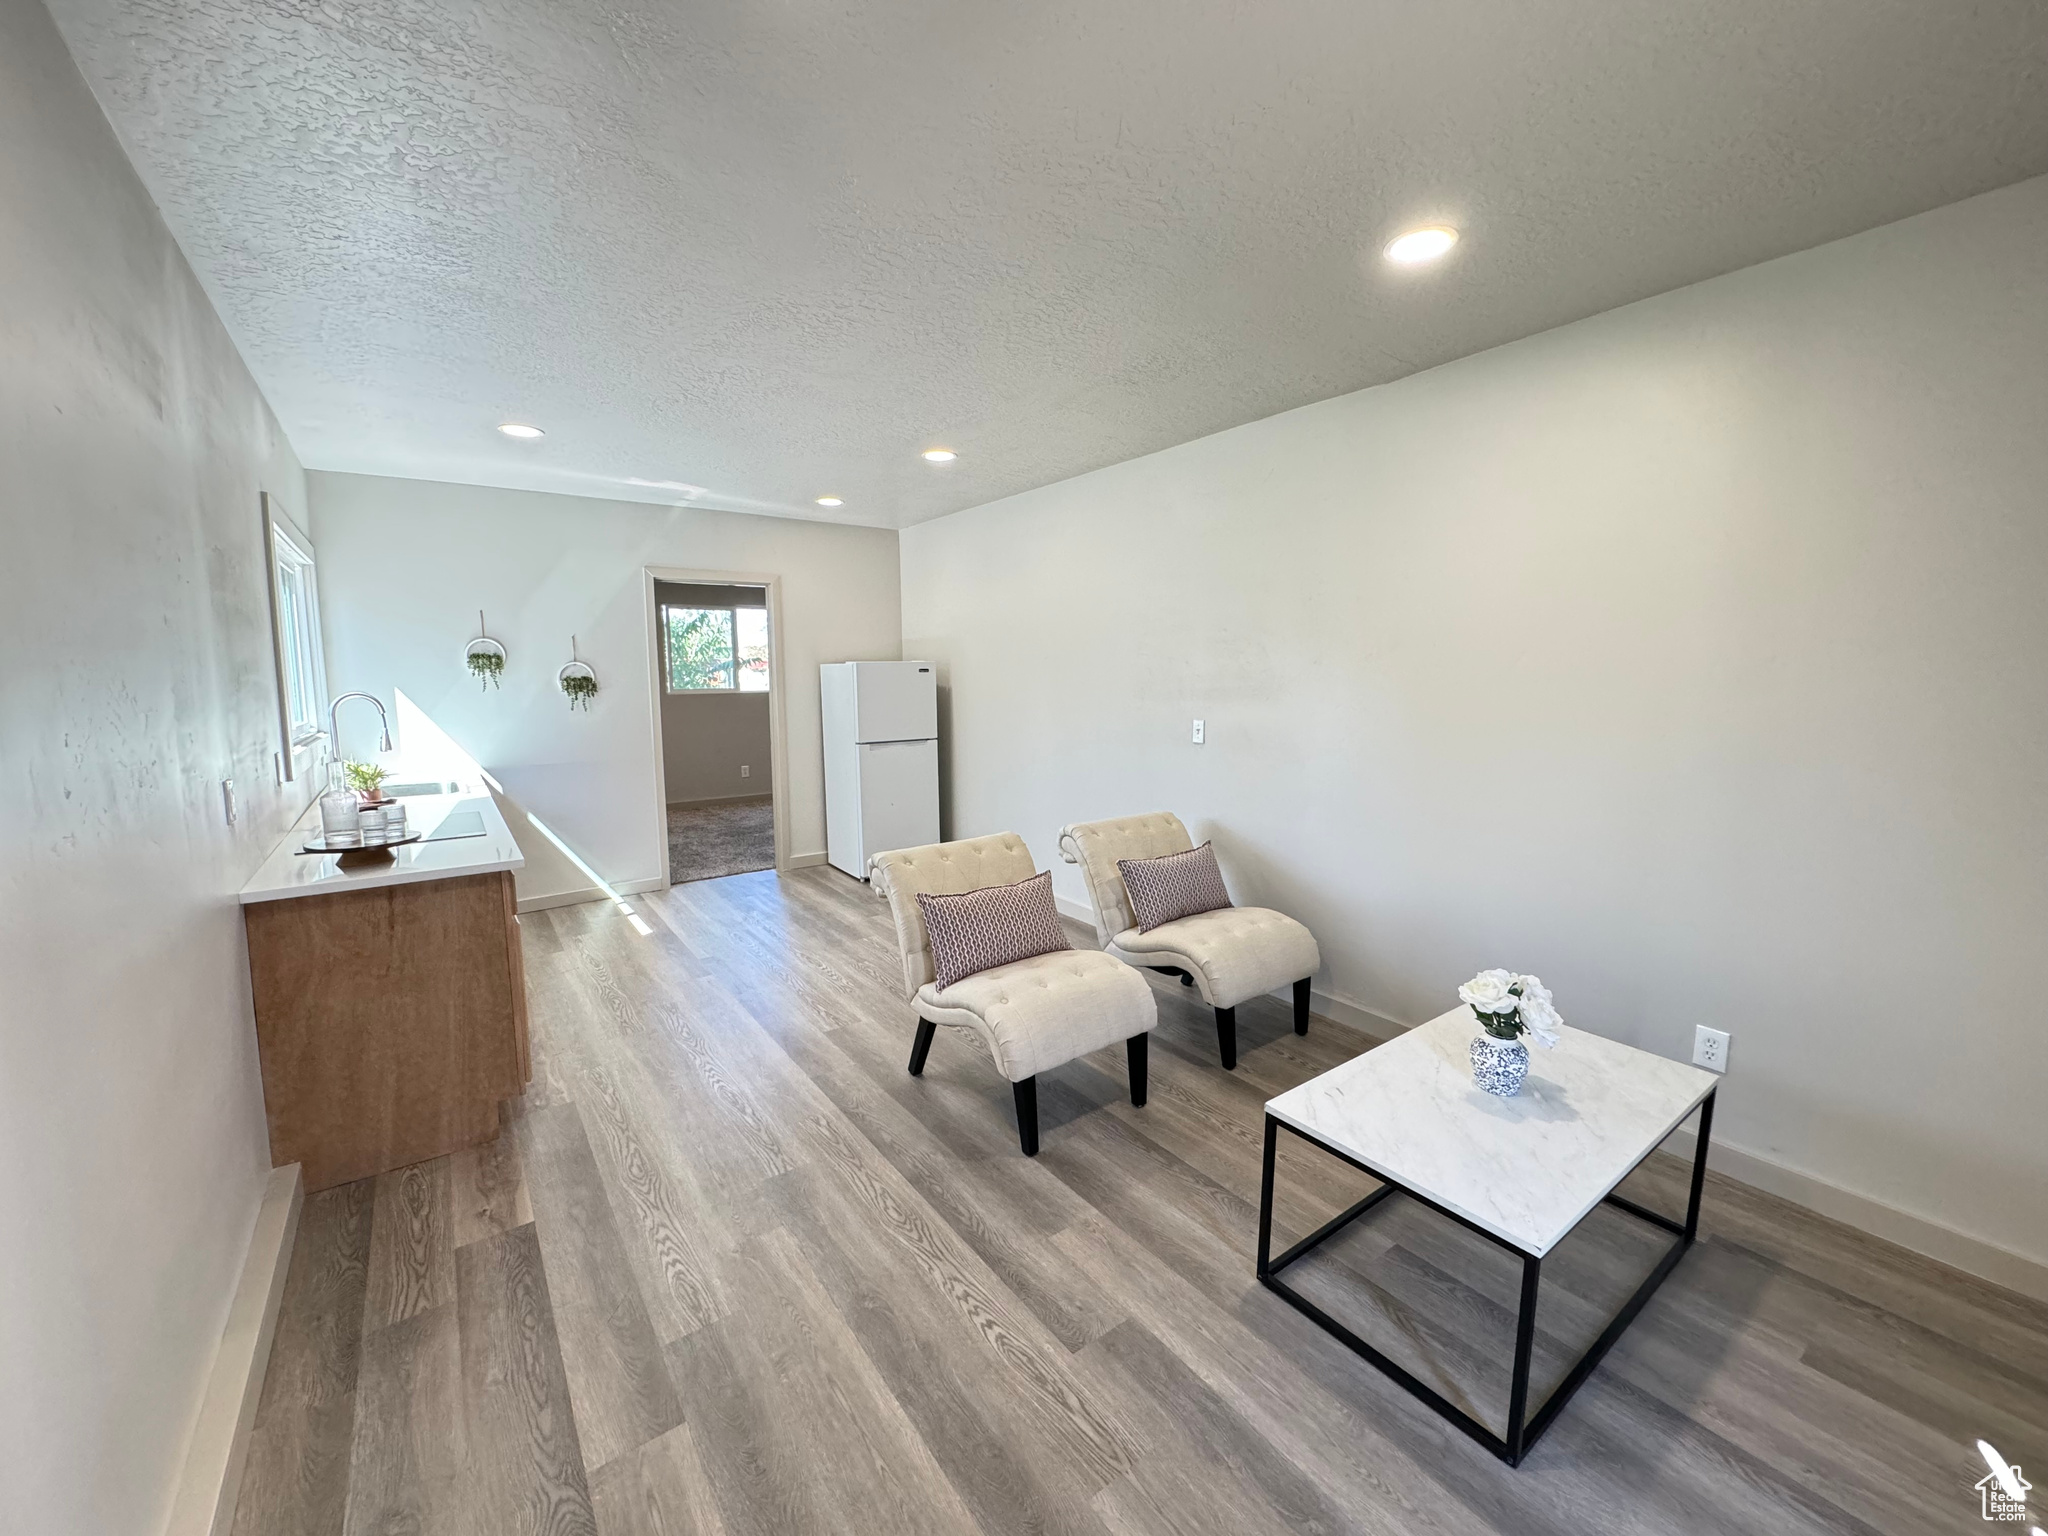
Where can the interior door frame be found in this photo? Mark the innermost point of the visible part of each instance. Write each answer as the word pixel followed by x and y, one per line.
pixel 778 733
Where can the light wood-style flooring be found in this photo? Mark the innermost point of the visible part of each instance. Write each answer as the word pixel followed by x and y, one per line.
pixel 731 1269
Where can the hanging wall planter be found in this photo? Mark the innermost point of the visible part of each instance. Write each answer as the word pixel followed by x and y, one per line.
pixel 485 657
pixel 577 680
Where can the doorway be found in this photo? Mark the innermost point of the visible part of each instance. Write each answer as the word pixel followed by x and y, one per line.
pixel 719 763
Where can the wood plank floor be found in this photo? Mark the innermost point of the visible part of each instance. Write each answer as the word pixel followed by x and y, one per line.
pixel 732 1270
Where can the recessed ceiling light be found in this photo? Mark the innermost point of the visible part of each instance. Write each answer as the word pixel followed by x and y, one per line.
pixel 1420 245
pixel 830 501
pixel 520 429
pixel 940 455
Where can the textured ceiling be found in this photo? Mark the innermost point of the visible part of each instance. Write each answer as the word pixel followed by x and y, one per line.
pixel 773 249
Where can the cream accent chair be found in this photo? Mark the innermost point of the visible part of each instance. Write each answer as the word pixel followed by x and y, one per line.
pixel 1032 1014
pixel 1230 956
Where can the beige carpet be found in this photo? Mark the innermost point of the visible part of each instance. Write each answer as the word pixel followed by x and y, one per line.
pixel 732 837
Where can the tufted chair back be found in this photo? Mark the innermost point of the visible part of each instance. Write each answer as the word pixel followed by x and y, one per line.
pixel 1097 845
pixel 942 869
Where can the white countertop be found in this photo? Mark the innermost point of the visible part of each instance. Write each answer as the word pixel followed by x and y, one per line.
pixel 288 873
pixel 1526 1169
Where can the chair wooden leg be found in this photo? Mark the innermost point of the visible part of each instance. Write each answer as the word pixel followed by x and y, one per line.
pixel 921 1047
pixel 1137 1050
pixel 1301 1006
pixel 1226 1037
pixel 1026 1094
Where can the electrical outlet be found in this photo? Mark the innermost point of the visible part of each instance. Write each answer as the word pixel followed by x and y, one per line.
pixel 1198 732
pixel 746 770
pixel 1710 1048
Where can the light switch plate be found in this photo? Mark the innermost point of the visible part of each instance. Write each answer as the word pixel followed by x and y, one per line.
pixel 227 799
pixel 1198 732
pixel 1710 1048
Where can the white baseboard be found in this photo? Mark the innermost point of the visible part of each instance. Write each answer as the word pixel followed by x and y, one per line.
pixel 586 893
pixel 562 899
pixel 583 893
pixel 1972 1255
pixel 212 1477
pixel 1330 1006
pixel 752 794
pixel 1959 1250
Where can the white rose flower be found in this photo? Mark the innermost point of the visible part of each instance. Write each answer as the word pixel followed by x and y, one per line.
pixel 1488 992
pixel 1539 1015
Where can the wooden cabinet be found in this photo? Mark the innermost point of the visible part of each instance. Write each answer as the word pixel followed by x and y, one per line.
pixel 391 1021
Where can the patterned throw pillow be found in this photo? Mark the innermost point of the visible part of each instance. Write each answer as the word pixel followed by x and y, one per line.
pixel 1179 885
pixel 980 930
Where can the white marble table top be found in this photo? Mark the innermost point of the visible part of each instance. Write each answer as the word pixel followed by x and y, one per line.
pixel 1526 1169
pixel 287 873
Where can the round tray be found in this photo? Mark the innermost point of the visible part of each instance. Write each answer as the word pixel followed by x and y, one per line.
pixel 321 845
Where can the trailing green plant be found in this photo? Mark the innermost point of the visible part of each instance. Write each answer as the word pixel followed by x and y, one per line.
pixel 580 689
pixel 487 667
pixel 365 778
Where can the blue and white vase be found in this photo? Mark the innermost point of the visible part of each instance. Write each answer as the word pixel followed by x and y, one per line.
pixel 1499 1066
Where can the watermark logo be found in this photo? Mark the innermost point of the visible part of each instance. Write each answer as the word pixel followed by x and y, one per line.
pixel 2000 1502
pixel 2002 1489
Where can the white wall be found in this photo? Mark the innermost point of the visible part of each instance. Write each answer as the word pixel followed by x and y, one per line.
pixel 405 564
pixel 706 738
pixel 135 674
pixel 1690 656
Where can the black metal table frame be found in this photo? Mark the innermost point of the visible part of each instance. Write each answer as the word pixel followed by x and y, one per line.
pixel 1522 1428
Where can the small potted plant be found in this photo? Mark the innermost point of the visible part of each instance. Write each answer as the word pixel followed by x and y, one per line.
pixel 487 666
pixel 485 657
pixel 578 680
pixel 580 686
pixel 1508 1007
pixel 367 780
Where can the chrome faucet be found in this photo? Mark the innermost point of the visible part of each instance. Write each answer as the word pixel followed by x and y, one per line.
pixel 334 740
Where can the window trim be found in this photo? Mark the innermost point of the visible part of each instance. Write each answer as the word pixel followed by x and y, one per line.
pixel 668 687
pixel 284 545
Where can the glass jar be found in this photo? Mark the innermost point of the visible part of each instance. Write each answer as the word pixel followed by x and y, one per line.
pixel 341 813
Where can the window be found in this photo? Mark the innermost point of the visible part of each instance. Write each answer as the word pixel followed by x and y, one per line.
pixel 716 650
pixel 298 617
pixel 295 617
pixel 752 626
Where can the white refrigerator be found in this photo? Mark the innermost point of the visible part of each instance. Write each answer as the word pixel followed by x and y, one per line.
pixel 881 759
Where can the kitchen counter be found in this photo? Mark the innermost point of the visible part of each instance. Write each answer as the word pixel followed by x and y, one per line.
pixel 390 997
pixel 288 873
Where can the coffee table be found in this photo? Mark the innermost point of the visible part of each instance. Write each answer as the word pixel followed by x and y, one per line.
pixel 1522 1172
